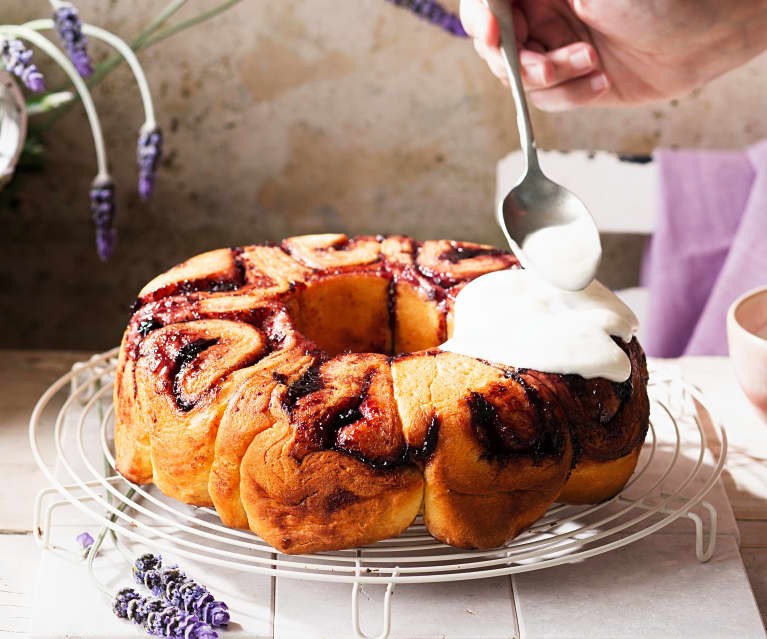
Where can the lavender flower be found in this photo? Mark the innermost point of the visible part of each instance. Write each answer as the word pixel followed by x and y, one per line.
pixel 148 153
pixel 145 563
pixel 102 214
pixel 435 13
pixel 160 618
pixel 125 603
pixel 85 541
pixel 179 590
pixel 70 30
pixel 18 60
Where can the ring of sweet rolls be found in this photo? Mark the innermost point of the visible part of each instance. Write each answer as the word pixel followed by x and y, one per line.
pixel 298 389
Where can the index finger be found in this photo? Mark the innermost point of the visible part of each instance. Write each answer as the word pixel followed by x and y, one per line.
pixel 479 22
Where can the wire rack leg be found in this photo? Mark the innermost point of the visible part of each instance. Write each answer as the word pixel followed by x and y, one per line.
pixel 704 555
pixel 43 508
pixel 386 611
pixel 42 533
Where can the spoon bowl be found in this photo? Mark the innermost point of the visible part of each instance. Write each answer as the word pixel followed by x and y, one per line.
pixel 549 229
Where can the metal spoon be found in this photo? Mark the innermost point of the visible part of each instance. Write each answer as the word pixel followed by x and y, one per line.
pixel 549 229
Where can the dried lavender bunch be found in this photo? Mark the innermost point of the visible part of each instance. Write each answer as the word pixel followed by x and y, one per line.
pixel 148 154
pixel 18 60
pixel 435 13
pixel 103 215
pixel 70 30
pixel 179 590
pixel 160 618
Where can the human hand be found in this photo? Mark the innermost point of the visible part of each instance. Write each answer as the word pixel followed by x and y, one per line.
pixel 619 52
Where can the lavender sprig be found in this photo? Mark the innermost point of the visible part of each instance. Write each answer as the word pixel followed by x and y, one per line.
pixel 103 214
pixel 179 590
pixel 70 30
pixel 86 541
pixel 160 618
pixel 435 13
pixel 148 154
pixel 18 60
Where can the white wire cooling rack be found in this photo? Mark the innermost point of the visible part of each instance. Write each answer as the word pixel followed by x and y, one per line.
pixel 679 464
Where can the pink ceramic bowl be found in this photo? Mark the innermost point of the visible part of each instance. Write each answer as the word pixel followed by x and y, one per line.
pixel 747 337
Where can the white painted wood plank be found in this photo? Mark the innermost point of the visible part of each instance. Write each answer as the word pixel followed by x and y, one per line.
pixel 19 558
pixel 455 610
pixel 25 375
pixel 651 588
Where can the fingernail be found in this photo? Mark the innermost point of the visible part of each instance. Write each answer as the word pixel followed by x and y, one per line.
pixel 599 83
pixel 581 60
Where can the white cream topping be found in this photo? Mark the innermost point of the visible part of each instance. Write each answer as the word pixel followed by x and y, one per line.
pixel 566 255
pixel 516 318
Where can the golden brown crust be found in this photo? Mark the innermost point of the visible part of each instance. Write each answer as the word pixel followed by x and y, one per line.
pixel 133 426
pixel 345 311
pixel 419 318
pixel 133 451
pixel 233 390
pixel 448 263
pixel 185 375
pixel 593 481
pixel 332 469
pixel 494 447
pixel 248 413
pixel 333 251
pixel 609 430
pixel 330 501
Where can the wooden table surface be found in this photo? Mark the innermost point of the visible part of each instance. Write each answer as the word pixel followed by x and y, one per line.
pixel 24 375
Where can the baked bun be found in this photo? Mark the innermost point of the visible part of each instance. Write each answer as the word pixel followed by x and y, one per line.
pixel 299 391
pixel 609 423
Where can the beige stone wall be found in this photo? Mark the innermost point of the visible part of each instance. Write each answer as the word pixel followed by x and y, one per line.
pixel 293 117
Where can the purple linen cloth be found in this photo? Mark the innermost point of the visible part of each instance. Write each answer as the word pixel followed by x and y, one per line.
pixel 709 247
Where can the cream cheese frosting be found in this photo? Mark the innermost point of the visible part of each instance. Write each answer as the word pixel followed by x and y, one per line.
pixel 516 318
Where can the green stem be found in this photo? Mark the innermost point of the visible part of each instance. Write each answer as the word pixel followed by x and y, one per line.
pixel 142 41
pixel 138 43
pixel 155 24
pixel 48 102
pixel 167 33
pixel 103 532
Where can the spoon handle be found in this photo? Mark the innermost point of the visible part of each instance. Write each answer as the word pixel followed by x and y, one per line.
pixel 503 14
